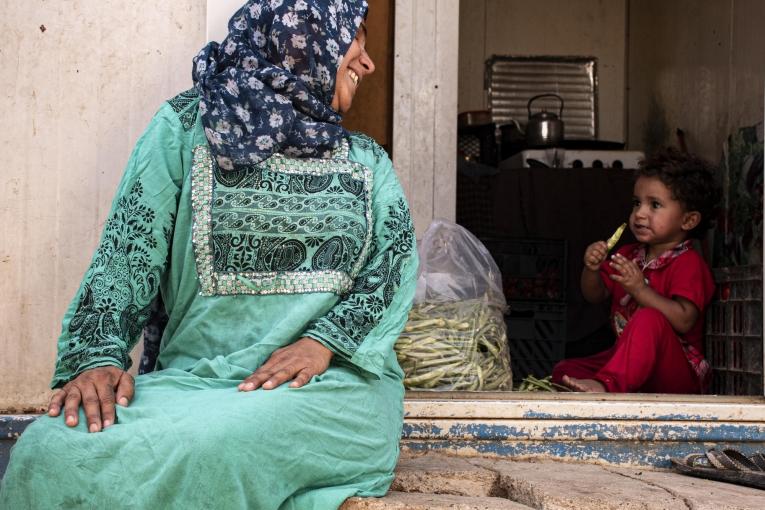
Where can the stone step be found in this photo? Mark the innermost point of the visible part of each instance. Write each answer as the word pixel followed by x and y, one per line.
pixel 442 474
pixel 550 484
pixel 418 501
pixel 559 485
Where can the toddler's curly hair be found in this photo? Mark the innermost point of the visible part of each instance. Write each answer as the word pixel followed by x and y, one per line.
pixel 691 180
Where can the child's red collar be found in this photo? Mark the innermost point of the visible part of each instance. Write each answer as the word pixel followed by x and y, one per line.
pixel 638 255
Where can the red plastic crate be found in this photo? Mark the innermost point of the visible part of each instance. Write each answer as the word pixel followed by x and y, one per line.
pixel 532 269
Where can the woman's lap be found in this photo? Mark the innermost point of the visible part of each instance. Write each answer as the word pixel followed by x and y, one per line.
pixel 193 442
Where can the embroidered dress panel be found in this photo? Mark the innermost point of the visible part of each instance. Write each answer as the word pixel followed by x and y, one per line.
pixel 346 325
pixel 283 226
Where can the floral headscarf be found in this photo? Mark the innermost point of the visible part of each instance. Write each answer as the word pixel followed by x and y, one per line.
pixel 268 87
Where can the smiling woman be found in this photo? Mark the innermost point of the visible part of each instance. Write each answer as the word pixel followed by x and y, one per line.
pixel 355 66
pixel 283 249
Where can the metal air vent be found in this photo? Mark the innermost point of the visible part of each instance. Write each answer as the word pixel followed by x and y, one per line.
pixel 512 81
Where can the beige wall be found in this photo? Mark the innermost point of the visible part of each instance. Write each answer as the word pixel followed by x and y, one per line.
pixel 698 65
pixel 547 27
pixel 80 80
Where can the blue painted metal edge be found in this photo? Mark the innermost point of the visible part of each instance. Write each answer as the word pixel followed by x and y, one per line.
pixel 628 443
pixel 11 427
pixel 590 431
pixel 619 453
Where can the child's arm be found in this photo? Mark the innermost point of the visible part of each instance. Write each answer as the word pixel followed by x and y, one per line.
pixel 593 288
pixel 681 313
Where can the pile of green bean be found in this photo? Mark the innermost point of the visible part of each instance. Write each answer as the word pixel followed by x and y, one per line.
pixel 531 383
pixel 459 345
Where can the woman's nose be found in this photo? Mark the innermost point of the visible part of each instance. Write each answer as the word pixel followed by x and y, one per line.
pixel 366 62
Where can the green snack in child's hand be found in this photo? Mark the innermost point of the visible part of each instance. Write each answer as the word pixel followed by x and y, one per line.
pixel 615 238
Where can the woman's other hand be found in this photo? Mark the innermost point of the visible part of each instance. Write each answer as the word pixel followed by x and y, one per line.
pixel 595 254
pixel 297 362
pixel 96 390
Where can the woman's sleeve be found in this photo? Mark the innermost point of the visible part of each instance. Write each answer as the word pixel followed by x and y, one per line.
pixel 104 320
pixel 363 327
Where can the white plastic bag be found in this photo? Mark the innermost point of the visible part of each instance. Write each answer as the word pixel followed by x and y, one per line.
pixel 455 266
pixel 455 338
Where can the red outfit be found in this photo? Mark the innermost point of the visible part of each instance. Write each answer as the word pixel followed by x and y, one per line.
pixel 649 355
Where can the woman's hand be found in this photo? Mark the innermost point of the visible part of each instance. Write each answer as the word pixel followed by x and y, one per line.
pixel 594 255
pixel 630 276
pixel 97 390
pixel 297 362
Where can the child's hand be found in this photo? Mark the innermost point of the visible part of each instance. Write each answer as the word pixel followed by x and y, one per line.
pixel 595 254
pixel 630 276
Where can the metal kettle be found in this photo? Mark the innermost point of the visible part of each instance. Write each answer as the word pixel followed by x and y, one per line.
pixel 544 129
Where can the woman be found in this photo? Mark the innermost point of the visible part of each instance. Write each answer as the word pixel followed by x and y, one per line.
pixel 284 252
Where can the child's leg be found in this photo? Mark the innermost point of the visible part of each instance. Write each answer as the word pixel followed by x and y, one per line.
pixel 581 368
pixel 648 357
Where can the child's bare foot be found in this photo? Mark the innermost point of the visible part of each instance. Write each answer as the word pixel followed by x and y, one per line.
pixel 586 385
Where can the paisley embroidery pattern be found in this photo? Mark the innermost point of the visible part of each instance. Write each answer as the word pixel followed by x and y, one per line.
pixel 119 287
pixel 282 226
pixel 186 105
pixel 348 323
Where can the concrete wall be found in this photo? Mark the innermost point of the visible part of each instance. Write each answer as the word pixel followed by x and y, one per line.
pixel 698 65
pixel 425 107
pixel 547 27
pixel 80 80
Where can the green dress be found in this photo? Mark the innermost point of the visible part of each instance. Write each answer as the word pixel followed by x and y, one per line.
pixel 246 262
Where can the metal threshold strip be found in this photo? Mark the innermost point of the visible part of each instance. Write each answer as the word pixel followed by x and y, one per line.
pixel 635 429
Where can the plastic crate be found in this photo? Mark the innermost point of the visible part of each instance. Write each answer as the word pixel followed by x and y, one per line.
pixel 536 336
pixel 474 205
pixel 532 269
pixel 734 331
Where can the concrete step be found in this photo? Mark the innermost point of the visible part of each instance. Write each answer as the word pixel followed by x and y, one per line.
pixel 442 474
pixel 558 485
pixel 418 501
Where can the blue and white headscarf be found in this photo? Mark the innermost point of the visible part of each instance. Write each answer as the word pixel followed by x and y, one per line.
pixel 268 87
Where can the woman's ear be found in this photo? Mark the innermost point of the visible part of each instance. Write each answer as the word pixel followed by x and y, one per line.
pixel 691 220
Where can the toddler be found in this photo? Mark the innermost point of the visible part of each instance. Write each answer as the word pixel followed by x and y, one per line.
pixel 659 287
